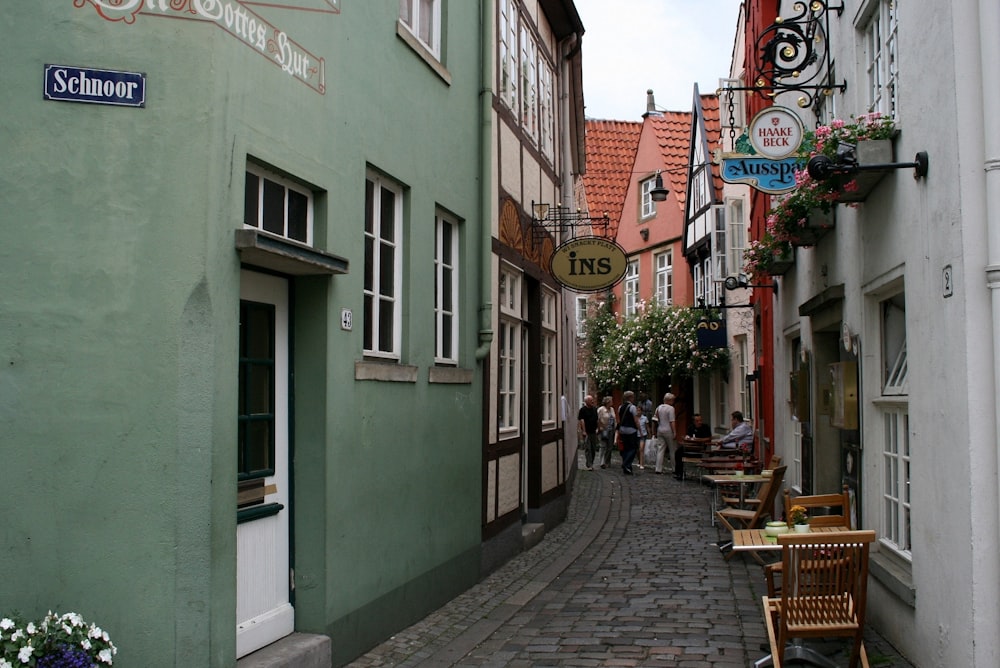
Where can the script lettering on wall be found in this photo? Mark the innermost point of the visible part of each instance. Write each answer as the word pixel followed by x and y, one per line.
pixel 237 19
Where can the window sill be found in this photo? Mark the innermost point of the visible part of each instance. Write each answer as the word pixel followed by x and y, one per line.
pixel 449 374
pixel 404 33
pixel 894 574
pixel 385 371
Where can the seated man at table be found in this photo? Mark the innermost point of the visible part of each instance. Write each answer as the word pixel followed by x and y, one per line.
pixel 741 436
pixel 697 432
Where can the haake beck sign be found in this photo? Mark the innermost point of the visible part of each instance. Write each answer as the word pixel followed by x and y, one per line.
pixel 775 135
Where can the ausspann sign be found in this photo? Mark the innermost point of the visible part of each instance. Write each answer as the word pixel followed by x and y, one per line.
pixel 589 264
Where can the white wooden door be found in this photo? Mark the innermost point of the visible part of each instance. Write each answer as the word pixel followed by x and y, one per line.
pixel 263 609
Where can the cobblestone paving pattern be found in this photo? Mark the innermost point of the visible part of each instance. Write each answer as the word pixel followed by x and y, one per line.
pixel 633 577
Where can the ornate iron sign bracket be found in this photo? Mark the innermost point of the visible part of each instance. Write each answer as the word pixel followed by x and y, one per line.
pixel 558 220
pixel 793 46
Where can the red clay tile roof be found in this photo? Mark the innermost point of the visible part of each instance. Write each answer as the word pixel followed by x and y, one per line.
pixel 611 147
pixel 673 134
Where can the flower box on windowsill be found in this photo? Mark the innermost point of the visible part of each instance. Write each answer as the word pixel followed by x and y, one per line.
pixel 782 263
pixel 856 187
pixel 818 225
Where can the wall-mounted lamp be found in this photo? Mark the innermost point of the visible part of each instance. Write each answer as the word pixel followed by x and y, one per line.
pixel 644 233
pixel 736 282
pixel 822 167
pixel 658 193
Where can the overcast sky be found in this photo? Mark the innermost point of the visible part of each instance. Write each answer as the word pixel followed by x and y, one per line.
pixel 630 46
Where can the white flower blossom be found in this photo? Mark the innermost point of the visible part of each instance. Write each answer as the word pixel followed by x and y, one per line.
pixel 104 656
pixel 24 655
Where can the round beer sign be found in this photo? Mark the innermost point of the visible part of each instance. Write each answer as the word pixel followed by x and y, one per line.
pixel 776 133
pixel 589 264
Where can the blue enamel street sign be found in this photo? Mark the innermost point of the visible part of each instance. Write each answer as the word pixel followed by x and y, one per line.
pixel 93 86
pixel 765 174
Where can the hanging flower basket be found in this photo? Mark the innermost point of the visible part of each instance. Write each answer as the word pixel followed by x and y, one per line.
pixel 782 260
pixel 857 187
pixel 812 228
pixel 768 256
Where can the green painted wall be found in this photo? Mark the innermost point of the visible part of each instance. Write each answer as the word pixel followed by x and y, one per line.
pixel 118 320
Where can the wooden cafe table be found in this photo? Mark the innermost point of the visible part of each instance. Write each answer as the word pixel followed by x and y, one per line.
pixel 755 540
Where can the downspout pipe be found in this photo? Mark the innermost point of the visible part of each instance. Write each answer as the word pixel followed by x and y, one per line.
pixel 986 573
pixel 486 9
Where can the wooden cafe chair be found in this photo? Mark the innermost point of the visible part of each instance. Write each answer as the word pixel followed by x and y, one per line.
pixel 753 518
pixel 824 595
pixel 836 513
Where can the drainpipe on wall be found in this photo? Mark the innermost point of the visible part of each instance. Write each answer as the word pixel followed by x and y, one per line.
pixel 486 184
pixel 986 572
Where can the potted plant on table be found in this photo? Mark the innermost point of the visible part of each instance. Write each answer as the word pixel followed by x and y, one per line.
pixel 799 518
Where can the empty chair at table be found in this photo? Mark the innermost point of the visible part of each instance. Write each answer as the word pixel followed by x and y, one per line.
pixel 824 596
pixel 739 518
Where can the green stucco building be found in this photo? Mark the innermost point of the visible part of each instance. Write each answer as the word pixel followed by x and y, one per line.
pixel 240 254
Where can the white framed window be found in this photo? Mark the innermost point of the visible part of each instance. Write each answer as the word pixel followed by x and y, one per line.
pixel 581 389
pixel 277 205
pixel 737 233
pixel 881 57
pixel 509 76
pixel 509 346
pixel 423 19
pixel 720 249
pixel 529 84
pixel 893 407
pixel 895 529
pixel 446 282
pixel 510 293
pixel 647 205
pixel 546 109
pixel 632 288
pixel 664 278
pixel 508 376
pixel 548 357
pixel 699 283
pixel 383 267
pixel 581 316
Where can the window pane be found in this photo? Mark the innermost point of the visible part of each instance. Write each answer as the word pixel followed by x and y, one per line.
pixel 257 449
pixel 369 204
pixel 369 318
pixel 251 195
pixel 256 322
pixel 426 32
pixel 386 270
pixel 387 228
pixel 369 263
pixel 298 211
pixel 446 323
pixel 274 207
pixel 259 389
pixel 385 325
pixel 446 296
pixel 406 11
pixel 446 243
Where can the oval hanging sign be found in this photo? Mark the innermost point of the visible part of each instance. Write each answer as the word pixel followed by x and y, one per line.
pixel 589 264
pixel 776 132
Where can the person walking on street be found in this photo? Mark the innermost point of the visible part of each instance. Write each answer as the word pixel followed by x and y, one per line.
pixel 643 434
pixel 587 427
pixel 606 425
pixel 665 419
pixel 628 431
